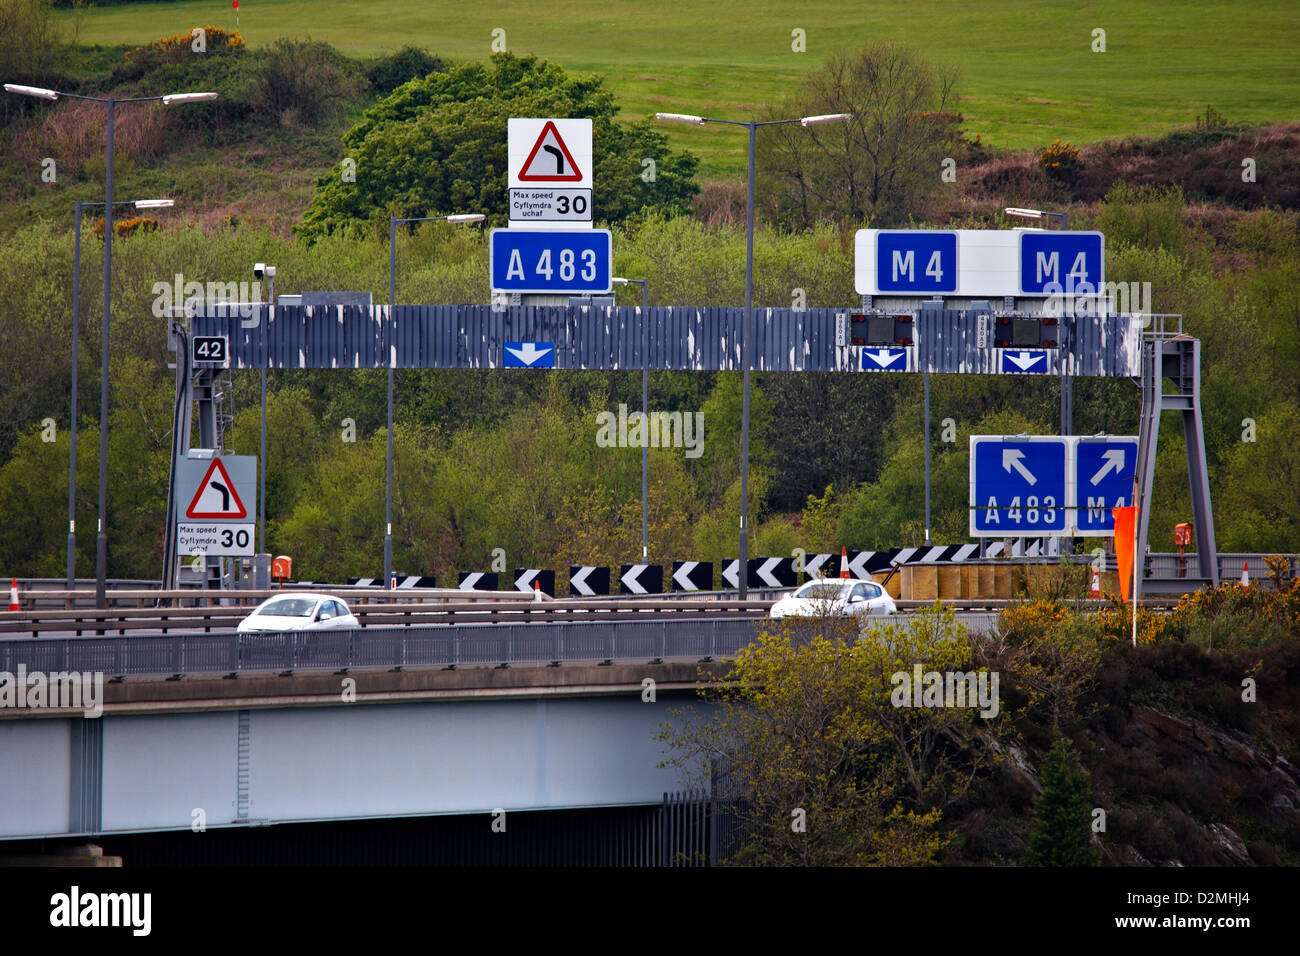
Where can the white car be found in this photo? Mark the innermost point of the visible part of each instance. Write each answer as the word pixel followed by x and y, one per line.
pixel 299 611
pixel 835 596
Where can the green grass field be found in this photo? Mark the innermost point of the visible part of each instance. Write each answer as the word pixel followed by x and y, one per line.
pixel 1029 74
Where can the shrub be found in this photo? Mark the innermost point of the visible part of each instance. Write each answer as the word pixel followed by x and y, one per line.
pixel 300 80
pixel 1023 622
pixel 128 227
pixel 409 63
pixel 1060 161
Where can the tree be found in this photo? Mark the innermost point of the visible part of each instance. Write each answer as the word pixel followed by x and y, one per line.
pixel 825 767
pixel 1062 834
pixel 438 145
pixel 876 168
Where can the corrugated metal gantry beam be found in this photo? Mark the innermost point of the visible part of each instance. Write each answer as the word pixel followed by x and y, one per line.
pixel 680 338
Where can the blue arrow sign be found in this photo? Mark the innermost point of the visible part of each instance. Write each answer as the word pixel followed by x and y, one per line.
pixel 1062 263
pixel 528 355
pixel 916 261
pixel 563 262
pixel 1018 485
pixel 1028 361
pixel 1103 479
pixel 884 360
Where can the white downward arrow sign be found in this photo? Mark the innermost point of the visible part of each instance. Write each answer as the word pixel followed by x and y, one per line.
pixel 1113 461
pixel 883 357
pixel 529 353
pixel 683 575
pixel 1025 359
pixel 1014 458
pixel 579 582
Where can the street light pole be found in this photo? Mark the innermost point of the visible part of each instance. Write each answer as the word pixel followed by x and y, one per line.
pixel 747 333
pixel 645 410
pixel 76 335
pixel 459 218
pixel 101 537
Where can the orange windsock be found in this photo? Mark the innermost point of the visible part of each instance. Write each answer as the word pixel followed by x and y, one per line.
pixel 1125 519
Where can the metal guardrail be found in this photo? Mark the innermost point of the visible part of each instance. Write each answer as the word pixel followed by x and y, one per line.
pixel 494 645
pixel 506 609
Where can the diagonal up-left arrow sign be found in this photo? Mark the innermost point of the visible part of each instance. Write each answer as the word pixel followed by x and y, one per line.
pixel 1015 458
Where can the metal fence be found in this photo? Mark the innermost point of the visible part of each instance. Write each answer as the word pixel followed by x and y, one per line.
pixel 465 645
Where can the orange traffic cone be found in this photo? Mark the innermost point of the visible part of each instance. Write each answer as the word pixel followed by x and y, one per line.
pixel 13 596
pixel 537 590
pixel 844 562
pixel 1245 576
pixel 1095 590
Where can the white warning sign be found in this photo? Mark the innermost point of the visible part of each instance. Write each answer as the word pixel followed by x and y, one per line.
pixel 550 152
pixel 216 497
pixel 215 488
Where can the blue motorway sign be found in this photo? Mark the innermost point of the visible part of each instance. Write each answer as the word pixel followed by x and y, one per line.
pixel 1028 361
pixel 1069 263
pixel 560 262
pixel 884 359
pixel 1018 485
pixel 917 262
pixel 1103 479
pixel 528 355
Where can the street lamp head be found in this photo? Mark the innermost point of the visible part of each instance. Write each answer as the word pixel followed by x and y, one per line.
pixel 36 91
pixel 826 118
pixel 154 203
pixel 1023 213
pixel 619 280
pixel 680 118
pixel 467 217
pixel 178 99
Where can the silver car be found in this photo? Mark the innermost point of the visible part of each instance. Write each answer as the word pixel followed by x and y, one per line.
pixel 299 611
pixel 835 596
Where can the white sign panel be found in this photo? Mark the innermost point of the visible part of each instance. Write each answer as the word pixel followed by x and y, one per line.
pixel 550 156
pixel 218 538
pixel 550 152
pixel 550 205
pixel 976 262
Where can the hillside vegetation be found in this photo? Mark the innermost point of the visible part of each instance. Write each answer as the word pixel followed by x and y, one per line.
pixel 509 460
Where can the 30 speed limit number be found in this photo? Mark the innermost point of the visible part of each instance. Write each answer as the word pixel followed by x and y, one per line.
pixel 218 538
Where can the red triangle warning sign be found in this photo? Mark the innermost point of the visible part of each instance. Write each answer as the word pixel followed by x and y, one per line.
pixel 554 164
pixel 216 498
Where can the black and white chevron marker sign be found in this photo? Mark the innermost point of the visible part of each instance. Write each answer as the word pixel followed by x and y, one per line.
pixel 731 573
pixel 771 573
pixel 403 581
pixel 586 580
pixel 821 566
pixel 524 578
pixel 692 575
pixel 641 579
pixel 478 581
